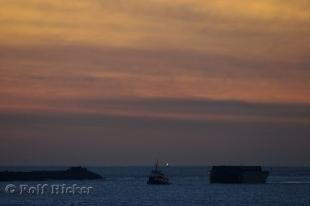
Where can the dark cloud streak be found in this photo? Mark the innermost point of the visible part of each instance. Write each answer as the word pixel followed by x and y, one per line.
pixel 112 140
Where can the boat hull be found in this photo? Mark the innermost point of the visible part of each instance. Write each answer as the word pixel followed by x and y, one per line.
pixel 158 181
pixel 238 174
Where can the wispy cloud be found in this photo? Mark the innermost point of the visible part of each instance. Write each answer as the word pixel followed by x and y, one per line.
pixel 79 71
pixel 238 27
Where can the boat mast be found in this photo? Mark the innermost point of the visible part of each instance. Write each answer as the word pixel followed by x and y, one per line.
pixel 156 165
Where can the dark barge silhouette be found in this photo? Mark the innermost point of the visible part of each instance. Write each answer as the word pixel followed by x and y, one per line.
pixel 73 173
pixel 238 174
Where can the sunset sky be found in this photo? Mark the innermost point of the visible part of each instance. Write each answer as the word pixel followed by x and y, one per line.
pixel 123 82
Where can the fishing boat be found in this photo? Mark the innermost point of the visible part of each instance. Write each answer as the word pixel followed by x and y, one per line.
pixel 157 177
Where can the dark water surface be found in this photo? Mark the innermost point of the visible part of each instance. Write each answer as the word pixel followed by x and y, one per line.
pixel 190 186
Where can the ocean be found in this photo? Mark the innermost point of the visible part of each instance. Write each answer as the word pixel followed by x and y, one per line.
pixel 190 186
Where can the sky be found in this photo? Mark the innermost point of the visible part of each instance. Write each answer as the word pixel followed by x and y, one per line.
pixel 125 82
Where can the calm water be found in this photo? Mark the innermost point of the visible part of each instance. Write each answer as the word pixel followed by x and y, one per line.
pixel 127 186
